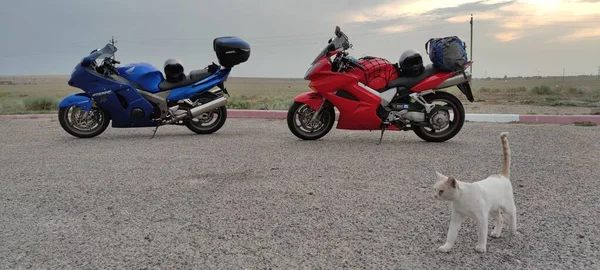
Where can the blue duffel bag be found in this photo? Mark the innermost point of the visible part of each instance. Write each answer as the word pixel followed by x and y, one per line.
pixel 447 54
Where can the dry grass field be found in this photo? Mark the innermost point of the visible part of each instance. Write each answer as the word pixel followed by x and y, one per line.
pixel 574 95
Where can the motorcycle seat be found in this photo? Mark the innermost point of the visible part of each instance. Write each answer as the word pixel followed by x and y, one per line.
pixel 194 76
pixel 410 81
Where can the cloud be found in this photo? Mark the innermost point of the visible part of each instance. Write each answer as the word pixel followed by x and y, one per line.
pixel 480 16
pixel 509 19
pixel 580 34
pixel 397 9
pixel 507 36
pixel 474 7
pixel 528 15
pixel 425 9
pixel 395 29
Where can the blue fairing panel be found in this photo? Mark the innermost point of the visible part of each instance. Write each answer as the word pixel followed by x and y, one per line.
pixel 143 75
pixel 81 100
pixel 199 87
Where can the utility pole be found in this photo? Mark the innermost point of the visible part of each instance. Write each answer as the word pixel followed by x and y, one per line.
pixel 471 67
pixel 113 41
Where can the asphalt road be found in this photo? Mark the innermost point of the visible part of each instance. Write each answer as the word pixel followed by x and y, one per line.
pixel 252 196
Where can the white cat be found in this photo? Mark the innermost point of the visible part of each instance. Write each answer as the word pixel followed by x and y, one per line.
pixel 478 200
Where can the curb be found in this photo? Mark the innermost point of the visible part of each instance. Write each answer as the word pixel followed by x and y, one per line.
pixel 481 118
pixel 27 116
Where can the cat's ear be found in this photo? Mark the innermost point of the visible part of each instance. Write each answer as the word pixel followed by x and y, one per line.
pixel 441 176
pixel 452 181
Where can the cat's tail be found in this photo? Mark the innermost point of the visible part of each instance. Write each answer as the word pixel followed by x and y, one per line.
pixel 506 154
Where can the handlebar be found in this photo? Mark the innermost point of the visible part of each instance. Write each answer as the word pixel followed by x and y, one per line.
pixel 113 61
pixel 108 66
pixel 353 62
pixel 359 66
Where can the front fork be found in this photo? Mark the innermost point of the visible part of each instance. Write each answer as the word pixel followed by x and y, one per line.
pixel 318 112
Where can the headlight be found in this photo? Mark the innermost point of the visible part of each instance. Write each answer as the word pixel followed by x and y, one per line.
pixel 310 70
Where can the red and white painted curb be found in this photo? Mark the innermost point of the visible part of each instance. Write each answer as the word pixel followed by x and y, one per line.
pixel 482 118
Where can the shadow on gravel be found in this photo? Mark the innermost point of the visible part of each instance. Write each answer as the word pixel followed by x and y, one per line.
pixel 392 142
pixel 143 136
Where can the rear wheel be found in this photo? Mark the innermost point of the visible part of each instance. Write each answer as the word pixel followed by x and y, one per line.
pixel 81 123
pixel 209 122
pixel 442 125
pixel 299 120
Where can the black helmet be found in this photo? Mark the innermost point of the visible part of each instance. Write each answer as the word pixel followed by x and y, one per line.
pixel 174 70
pixel 411 63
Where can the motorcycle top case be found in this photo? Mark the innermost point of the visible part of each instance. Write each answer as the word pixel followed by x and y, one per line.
pixel 448 53
pixel 231 51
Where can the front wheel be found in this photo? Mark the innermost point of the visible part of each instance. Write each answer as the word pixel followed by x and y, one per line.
pixel 442 125
pixel 299 120
pixel 81 123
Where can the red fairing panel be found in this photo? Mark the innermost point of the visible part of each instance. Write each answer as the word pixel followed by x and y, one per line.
pixel 312 99
pixel 432 82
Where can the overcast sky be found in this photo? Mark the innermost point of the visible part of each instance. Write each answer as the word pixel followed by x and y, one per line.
pixel 511 38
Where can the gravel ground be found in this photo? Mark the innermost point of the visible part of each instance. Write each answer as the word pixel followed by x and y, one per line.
pixel 253 196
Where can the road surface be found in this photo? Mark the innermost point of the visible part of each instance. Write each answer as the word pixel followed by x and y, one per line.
pixel 252 196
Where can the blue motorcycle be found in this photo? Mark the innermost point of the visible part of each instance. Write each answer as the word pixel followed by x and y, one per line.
pixel 138 95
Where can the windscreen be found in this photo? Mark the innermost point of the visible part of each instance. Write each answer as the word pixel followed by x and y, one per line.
pixel 341 42
pixel 108 51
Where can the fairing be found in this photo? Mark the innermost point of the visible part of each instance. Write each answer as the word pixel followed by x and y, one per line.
pixel 81 100
pixel 199 87
pixel 359 112
pixel 113 94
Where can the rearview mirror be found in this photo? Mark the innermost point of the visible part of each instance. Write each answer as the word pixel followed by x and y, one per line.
pixel 338 31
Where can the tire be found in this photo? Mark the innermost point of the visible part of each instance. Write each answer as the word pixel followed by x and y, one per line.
pixel 221 113
pixel 454 127
pixel 69 127
pixel 327 118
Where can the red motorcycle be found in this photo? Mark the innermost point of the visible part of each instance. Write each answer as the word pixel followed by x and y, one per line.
pixel 372 94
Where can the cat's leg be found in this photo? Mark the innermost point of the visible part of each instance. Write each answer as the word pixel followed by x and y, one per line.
pixel 482 231
pixel 498 227
pixel 511 212
pixel 455 222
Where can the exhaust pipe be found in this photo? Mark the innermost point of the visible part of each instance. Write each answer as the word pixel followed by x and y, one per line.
pixel 196 111
pixel 456 80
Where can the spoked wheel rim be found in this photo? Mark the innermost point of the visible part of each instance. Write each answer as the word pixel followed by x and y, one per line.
pixel 207 121
pixel 442 122
pixel 303 123
pixel 84 122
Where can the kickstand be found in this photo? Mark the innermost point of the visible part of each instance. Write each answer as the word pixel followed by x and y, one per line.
pixel 157 125
pixel 382 130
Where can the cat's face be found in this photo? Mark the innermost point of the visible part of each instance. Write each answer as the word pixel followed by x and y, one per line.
pixel 446 188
